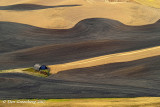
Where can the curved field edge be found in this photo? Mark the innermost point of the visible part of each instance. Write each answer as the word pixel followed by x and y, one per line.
pixel 67 17
pixel 107 59
pixel 87 102
pixel 95 61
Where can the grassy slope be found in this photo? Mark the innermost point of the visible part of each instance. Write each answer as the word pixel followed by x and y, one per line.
pixel 29 71
pixel 95 102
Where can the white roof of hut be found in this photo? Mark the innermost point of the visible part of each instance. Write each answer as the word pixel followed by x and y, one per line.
pixel 37 66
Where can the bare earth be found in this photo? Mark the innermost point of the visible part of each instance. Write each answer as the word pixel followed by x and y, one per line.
pixel 95 49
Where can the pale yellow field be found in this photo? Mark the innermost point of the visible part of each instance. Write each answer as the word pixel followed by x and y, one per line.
pixel 39 2
pixel 67 17
pixel 95 102
pixel 152 3
pixel 106 59
pixel 11 2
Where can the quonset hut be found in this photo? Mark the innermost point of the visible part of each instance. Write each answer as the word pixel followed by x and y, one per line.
pixel 43 67
pixel 39 67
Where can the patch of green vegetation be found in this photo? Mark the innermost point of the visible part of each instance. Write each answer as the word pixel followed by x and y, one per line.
pixel 63 100
pixel 29 70
pixel 41 73
pixel 45 72
pixel 58 100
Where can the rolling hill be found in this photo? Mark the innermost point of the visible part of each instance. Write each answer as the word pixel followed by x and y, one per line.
pixel 24 44
pixel 95 48
pixel 64 14
pixel 128 79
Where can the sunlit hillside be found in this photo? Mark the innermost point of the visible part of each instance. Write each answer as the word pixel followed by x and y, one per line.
pixel 64 14
pixel 152 3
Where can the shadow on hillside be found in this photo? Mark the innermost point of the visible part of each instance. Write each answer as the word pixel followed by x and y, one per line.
pixel 24 7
